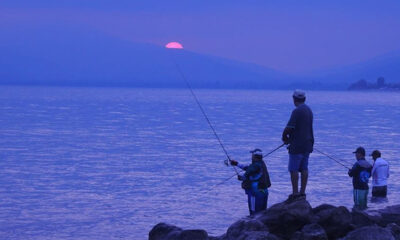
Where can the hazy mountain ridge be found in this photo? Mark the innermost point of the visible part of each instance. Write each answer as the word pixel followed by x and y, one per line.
pixel 386 66
pixel 65 56
pixel 82 58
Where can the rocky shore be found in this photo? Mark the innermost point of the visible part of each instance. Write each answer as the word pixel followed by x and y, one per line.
pixel 297 220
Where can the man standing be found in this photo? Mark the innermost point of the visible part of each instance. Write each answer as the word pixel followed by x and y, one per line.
pixel 360 172
pixel 380 174
pixel 299 134
pixel 255 181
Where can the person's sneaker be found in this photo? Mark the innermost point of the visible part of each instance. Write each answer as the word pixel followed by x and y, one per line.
pixel 302 195
pixel 292 197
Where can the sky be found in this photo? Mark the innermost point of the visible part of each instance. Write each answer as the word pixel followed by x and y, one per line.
pixel 289 36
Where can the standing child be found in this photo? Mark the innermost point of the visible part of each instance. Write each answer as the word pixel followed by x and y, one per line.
pixel 255 181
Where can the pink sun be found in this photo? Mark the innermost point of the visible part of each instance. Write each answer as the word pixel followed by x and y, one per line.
pixel 174 45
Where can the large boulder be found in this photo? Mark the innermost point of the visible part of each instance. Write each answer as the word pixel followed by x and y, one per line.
pixel 283 219
pixel 248 228
pixel 370 233
pixel 163 231
pixel 394 229
pixel 245 225
pixel 255 235
pixel 361 218
pixel 390 214
pixel 336 221
pixel 322 207
pixel 195 234
pixel 313 232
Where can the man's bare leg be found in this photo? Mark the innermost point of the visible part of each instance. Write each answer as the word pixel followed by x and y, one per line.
pixel 304 179
pixel 294 177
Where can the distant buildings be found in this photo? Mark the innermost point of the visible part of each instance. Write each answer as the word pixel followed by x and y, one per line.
pixel 380 84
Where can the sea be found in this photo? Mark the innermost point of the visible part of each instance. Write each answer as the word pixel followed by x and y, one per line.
pixel 110 163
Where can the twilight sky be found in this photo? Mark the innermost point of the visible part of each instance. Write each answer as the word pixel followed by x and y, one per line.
pixel 290 36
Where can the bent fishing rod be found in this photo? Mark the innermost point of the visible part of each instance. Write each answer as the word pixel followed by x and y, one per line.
pixel 202 111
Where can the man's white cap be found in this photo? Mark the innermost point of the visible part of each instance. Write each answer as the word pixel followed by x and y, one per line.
pixel 299 94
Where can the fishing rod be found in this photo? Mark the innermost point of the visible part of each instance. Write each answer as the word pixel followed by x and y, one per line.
pixel 203 112
pixel 236 174
pixel 265 155
pixel 332 158
pixel 283 144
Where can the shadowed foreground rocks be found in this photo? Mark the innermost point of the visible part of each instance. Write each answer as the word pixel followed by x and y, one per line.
pixel 297 220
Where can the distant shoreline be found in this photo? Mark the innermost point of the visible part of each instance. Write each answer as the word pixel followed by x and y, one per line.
pixel 380 85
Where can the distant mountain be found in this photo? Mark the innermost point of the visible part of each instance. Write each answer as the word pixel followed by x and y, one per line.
pixel 70 56
pixel 55 55
pixel 386 66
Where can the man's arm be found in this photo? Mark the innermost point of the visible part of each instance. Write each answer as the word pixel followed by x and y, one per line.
pixel 353 170
pixel 289 127
pixel 286 134
pixel 373 170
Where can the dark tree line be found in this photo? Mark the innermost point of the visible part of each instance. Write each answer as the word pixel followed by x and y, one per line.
pixel 380 83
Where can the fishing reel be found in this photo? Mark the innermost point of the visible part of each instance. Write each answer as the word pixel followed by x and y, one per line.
pixel 226 162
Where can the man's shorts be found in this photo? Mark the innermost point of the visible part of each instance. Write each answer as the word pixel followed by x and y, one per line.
pixel 298 162
pixel 379 191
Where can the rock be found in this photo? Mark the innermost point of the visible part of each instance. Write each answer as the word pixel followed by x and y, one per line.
pixel 163 231
pixel 283 219
pixel 255 235
pixel 196 234
pixel 390 214
pixel 336 221
pixel 313 232
pixel 322 207
pixel 361 218
pixel 222 237
pixel 394 229
pixel 296 236
pixel 244 225
pixel 249 228
pixel 322 211
pixel 370 233
pixel 296 220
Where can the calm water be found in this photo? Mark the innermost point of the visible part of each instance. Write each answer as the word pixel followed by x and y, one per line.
pixel 85 163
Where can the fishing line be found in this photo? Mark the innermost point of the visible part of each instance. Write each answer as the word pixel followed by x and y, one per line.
pixel 202 110
pixel 332 158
